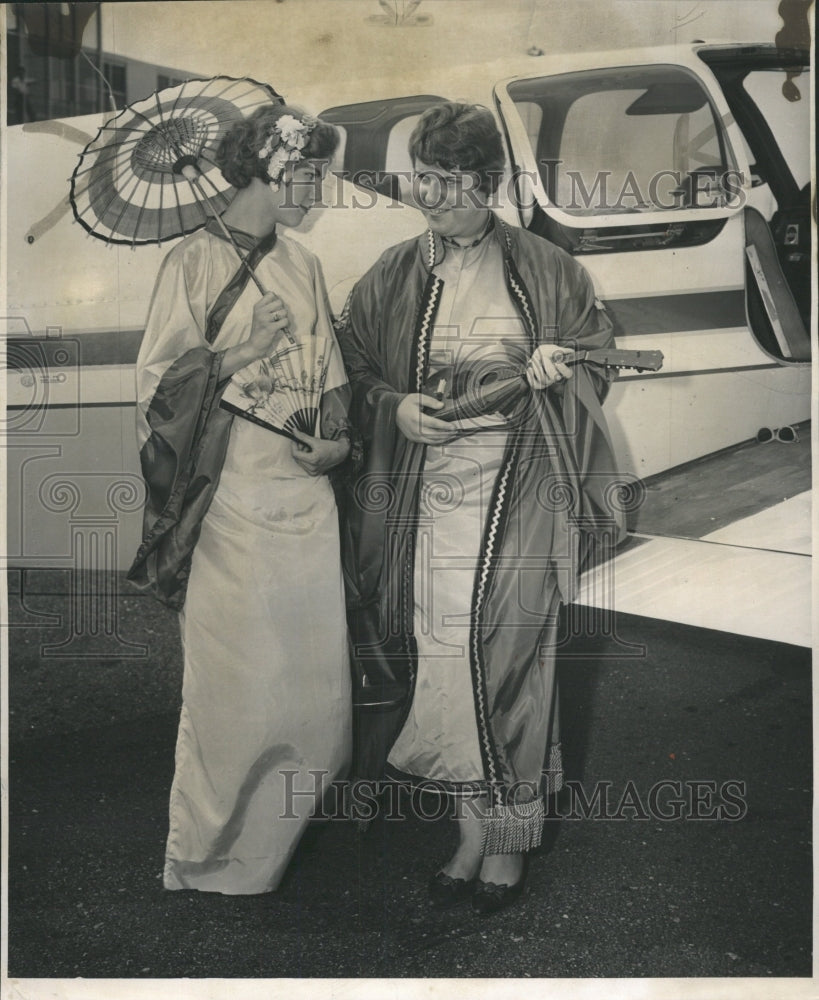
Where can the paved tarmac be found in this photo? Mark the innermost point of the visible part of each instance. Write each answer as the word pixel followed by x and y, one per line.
pixel 625 894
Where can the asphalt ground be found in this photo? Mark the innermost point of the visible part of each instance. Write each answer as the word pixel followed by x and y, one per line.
pixel 620 893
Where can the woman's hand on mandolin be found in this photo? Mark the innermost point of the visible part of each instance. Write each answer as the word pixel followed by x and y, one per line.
pixel 544 369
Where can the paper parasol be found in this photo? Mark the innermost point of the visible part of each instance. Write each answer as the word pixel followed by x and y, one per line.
pixel 150 174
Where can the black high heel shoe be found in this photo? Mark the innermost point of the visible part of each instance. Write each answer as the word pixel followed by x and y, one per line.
pixel 489 898
pixel 445 891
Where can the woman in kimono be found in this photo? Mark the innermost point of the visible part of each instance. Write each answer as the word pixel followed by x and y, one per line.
pixel 464 537
pixel 241 531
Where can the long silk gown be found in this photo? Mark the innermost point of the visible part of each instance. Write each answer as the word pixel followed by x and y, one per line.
pixel 265 721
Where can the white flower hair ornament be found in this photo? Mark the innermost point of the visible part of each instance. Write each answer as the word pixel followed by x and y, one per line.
pixel 284 145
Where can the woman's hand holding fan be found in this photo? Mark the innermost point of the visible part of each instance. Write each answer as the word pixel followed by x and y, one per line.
pixel 282 391
pixel 317 455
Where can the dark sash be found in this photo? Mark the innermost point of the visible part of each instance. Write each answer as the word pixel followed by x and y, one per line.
pixel 254 251
pixel 183 456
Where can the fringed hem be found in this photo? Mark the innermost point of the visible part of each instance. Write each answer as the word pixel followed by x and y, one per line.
pixel 513 828
pixel 553 774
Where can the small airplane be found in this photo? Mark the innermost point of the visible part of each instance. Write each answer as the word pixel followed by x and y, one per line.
pixel 679 177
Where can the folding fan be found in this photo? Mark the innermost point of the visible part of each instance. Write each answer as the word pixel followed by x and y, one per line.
pixel 282 392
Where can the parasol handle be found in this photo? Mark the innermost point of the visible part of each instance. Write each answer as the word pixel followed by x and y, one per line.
pixel 190 172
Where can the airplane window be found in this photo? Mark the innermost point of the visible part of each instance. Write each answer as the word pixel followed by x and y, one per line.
pixel 376 134
pixel 532 116
pixel 625 140
pixel 397 157
pixel 760 195
pixel 788 118
pixel 600 145
pixel 337 163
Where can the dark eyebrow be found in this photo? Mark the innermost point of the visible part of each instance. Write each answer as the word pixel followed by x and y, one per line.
pixel 444 177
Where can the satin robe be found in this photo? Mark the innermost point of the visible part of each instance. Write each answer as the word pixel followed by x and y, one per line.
pixel 551 500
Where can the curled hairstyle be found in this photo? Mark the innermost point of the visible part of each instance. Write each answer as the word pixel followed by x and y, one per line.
pixel 238 153
pixel 460 137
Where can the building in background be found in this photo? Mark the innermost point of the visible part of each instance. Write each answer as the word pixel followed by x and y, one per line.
pixel 296 44
pixel 57 67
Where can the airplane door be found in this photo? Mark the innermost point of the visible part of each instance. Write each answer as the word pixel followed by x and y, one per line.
pixel 632 170
pixel 768 92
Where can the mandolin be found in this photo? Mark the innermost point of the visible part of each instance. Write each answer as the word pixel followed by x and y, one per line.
pixel 494 394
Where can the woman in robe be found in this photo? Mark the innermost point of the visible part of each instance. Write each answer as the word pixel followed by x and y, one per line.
pixel 241 530
pixel 464 537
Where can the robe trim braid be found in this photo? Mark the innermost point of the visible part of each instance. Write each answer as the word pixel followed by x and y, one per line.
pixel 483 581
pixel 508 827
pixel 430 300
pixel 426 316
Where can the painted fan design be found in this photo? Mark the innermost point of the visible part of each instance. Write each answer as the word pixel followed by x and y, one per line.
pixel 282 392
